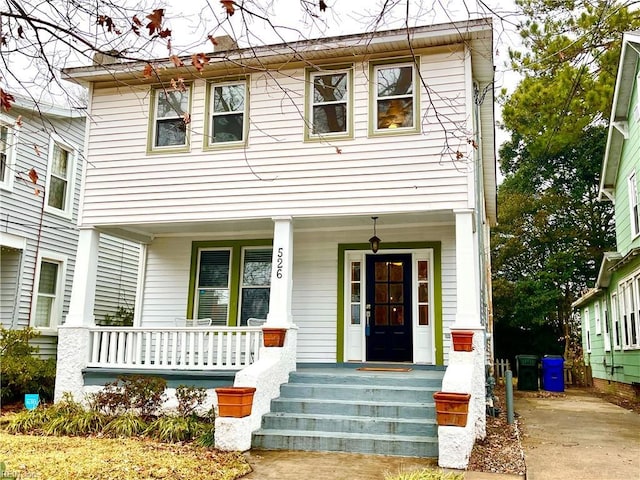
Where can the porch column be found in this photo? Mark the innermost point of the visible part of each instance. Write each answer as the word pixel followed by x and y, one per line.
pixel 83 291
pixel 74 338
pixel 281 274
pixel 467 284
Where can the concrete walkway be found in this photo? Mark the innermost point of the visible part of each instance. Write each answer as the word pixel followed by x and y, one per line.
pixel 578 436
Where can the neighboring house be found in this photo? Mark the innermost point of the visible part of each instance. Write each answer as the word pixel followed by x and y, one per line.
pixel 264 205
pixel 39 223
pixel 610 311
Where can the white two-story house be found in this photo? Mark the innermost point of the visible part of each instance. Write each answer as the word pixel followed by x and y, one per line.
pixel 341 188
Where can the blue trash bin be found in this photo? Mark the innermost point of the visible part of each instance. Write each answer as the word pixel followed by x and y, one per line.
pixel 553 373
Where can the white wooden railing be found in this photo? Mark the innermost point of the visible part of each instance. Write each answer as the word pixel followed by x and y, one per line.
pixel 186 348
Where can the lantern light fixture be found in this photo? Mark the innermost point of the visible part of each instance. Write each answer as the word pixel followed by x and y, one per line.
pixel 374 241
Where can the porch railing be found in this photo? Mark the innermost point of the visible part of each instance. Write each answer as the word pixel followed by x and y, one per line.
pixel 187 348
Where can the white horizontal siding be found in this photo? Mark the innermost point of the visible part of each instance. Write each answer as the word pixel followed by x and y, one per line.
pixel 314 307
pixel 278 173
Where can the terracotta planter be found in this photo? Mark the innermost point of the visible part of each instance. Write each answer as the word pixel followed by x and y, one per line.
pixel 452 408
pixel 235 401
pixel 273 337
pixel 462 340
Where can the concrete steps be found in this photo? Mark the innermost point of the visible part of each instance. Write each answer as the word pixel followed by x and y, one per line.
pixel 347 410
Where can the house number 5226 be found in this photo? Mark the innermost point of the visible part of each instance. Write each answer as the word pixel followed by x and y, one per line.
pixel 280 262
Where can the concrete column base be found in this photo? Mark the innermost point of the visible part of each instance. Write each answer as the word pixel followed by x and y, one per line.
pixel 73 357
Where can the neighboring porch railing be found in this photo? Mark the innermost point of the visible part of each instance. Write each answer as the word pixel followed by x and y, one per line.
pixel 191 348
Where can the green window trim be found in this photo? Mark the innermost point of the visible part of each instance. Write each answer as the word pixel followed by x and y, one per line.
pixel 151 131
pixel 374 66
pixel 235 269
pixel 310 73
pixel 226 81
pixel 437 291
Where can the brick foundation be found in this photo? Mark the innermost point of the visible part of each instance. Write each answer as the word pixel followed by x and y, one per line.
pixel 624 390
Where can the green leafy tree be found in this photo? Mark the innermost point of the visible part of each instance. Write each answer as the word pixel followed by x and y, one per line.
pixel 552 230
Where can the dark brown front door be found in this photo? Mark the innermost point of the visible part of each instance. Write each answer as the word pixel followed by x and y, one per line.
pixel 389 323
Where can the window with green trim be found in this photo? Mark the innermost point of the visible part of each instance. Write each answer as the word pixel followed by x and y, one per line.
pixel 329 102
pixel 224 285
pixel 394 97
pixel 228 112
pixel 170 118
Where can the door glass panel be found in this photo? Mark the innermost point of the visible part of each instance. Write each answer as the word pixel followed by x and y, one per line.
pixel 423 292
pixel 355 292
pixel 381 272
pixel 423 312
pixel 382 293
pixel 423 270
pixel 397 315
pixel 381 314
pixel 355 314
pixel 395 272
pixel 355 271
pixel 396 294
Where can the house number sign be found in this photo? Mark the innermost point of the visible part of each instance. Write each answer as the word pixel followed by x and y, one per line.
pixel 280 262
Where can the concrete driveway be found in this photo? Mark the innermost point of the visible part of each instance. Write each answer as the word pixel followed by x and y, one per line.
pixel 578 436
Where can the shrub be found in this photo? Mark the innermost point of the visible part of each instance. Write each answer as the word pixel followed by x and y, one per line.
pixel 21 370
pixel 126 425
pixel 29 421
pixel 189 399
pixel 123 317
pixel 140 393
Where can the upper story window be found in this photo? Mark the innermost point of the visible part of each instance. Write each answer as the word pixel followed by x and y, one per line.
pixel 634 214
pixel 8 143
pixel 395 100
pixel 60 177
pixel 329 103
pixel 227 113
pixel 171 110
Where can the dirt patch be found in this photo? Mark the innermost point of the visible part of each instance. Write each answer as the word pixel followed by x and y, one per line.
pixel 501 450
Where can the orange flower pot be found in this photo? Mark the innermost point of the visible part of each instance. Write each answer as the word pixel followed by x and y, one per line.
pixel 452 408
pixel 273 337
pixel 235 401
pixel 462 340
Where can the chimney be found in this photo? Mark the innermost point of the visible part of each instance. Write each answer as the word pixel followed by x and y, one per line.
pixel 225 42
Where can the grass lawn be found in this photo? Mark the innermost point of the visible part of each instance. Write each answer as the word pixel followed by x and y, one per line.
pixel 78 458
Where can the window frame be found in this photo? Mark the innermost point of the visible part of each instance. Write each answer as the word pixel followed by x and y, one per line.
pixel 374 67
pixel 242 285
pixel 629 288
pixel 58 304
pixel 634 208
pixel 310 74
pixel 11 145
pixel 596 314
pixel 587 329
pixel 607 328
pixel 196 302
pixel 615 325
pixel 209 144
pixel 235 272
pixel 153 122
pixel 72 165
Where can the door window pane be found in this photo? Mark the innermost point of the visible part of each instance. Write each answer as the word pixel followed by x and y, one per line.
pixel 356 304
pixel 395 272
pixel 396 293
pixel 423 292
pixel 381 271
pixel 256 284
pixel 423 312
pixel 397 315
pixel 381 314
pixel 382 293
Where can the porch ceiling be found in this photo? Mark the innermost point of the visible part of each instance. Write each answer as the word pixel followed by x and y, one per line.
pixel 145 233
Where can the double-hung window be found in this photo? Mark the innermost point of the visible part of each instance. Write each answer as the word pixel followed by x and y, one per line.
pixel 60 177
pixel 171 111
pixel 232 283
pixel 329 107
pixel 227 113
pixel 634 213
pixel 8 140
pixel 49 292
pixel 587 329
pixel 615 320
pixel 395 102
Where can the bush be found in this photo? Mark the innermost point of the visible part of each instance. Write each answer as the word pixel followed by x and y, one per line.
pixel 140 393
pixel 123 317
pixel 126 425
pixel 21 370
pixel 189 399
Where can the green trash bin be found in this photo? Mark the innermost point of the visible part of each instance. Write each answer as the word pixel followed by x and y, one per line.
pixel 527 371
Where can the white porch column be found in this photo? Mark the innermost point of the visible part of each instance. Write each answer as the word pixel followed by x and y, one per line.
pixel 467 282
pixel 281 274
pixel 74 339
pixel 83 291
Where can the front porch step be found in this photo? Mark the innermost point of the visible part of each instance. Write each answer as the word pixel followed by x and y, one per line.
pixel 396 445
pixel 347 410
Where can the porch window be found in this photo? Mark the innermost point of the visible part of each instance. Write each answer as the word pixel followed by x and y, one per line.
pixel 47 308
pixel 256 284
pixel 329 103
pixel 587 330
pixel 228 113
pixel 212 295
pixel 596 312
pixel 605 318
pixel 170 117
pixel 355 291
pixel 423 292
pixel 394 98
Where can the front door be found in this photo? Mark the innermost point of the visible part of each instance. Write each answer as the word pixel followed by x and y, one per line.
pixel 388 327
